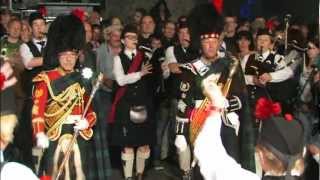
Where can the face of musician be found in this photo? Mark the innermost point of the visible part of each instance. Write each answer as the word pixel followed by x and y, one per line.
pixel 244 45
pixel 210 47
pixel 38 28
pixel 313 51
pixel 130 40
pixel 184 37
pixel 264 42
pixel 67 60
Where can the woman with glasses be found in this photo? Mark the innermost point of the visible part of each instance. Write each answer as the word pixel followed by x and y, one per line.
pixel 132 110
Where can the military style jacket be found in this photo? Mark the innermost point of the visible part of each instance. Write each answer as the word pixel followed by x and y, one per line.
pixel 53 106
pixel 190 92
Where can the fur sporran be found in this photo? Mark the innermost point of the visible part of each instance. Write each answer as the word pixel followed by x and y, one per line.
pixel 138 114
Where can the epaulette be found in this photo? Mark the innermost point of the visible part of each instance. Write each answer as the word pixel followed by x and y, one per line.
pixel 40 77
pixel 190 67
pixel 200 67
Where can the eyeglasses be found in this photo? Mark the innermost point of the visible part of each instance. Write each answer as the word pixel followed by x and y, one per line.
pixel 131 37
pixel 68 54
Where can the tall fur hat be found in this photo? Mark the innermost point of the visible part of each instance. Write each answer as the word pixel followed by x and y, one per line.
pixel 204 19
pixel 66 33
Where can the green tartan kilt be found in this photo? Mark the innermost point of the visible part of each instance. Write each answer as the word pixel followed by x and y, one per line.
pixel 77 161
pixel 100 166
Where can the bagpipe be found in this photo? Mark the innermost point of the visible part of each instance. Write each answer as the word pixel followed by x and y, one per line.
pixel 285 91
pixel 199 115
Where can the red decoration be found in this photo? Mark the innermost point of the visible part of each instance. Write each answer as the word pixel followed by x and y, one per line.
pixel 218 5
pixel 2 80
pixel 43 11
pixel 45 178
pixel 190 111
pixel 79 13
pixel 270 25
pixel 266 108
pixel 136 62
pixel 288 117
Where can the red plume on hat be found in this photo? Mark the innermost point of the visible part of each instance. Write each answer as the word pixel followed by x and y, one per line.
pixel 43 11
pixel 218 5
pixel 45 177
pixel 270 24
pixel 266 108
pixel 80 13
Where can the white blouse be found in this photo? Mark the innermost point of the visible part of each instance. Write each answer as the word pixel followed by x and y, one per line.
pixel 118 72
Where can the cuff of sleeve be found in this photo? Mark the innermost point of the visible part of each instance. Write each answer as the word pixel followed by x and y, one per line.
pixel 25 63
pixel 38 125
pixel 91 118
pixel 166 74
pixel 273 77
pixel 249 79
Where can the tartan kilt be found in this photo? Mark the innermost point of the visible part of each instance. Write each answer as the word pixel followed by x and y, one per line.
pixel 50 162
pixel 99 159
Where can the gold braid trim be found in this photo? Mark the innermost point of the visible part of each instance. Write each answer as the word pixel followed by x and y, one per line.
pixel 65 96
pixel 60 106
pixel 74 93
pixel 44 77
pixel 38 120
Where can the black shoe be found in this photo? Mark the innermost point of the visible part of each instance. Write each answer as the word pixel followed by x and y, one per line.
pixel 129 178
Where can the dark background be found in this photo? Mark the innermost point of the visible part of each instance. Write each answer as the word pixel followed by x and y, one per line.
pixel 305 10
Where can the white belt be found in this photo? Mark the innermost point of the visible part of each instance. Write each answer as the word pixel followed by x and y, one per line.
pixel 198 103
pixel 184 120
pixel 72 119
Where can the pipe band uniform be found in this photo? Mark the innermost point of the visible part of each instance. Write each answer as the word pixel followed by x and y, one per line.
pixel 193 104
pixel 272 73
pixel 132 108
pixel 60 100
